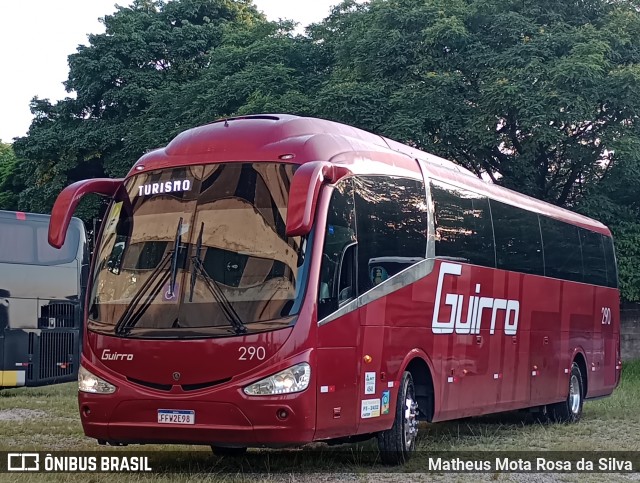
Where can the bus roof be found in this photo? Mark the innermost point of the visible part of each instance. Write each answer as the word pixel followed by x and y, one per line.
pixel 25 216
pixel 275 137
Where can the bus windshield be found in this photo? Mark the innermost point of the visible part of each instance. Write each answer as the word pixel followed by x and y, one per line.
pixel 199 251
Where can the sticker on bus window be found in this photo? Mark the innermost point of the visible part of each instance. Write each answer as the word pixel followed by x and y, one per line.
pixel 369 382
pixel 169 295
pixel 370 408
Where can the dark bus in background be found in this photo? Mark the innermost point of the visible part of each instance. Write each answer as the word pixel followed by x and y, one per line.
pixel 41 300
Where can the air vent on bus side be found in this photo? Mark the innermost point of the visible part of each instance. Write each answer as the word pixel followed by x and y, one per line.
pixel 56 354
pixel 59 314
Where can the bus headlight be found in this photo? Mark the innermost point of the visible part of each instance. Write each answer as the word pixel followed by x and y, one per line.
pixel 293 379
pixel 88 382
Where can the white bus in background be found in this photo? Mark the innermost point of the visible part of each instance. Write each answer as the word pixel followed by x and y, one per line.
pixel 41 300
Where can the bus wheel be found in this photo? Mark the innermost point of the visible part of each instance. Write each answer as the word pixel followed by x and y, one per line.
pixel 225 451
pixel 398 443
pixel 570 410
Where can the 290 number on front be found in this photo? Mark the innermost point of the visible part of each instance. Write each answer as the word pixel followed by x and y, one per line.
pixel 249 353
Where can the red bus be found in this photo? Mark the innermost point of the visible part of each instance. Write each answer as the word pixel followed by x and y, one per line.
pixel 275 280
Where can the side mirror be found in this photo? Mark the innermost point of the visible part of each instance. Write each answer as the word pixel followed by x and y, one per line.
pixel 69 198
pixel 303 194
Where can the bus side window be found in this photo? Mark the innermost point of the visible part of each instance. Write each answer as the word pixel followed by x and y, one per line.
pixel 337 272
pixel 610 259
pixel 391 214
pixel 562 250
pixel 118 232
pixel 518 239
pixel 463 225
pixel 593 257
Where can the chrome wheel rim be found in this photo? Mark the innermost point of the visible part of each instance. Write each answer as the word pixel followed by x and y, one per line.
pixel 410 421
pixel 574 394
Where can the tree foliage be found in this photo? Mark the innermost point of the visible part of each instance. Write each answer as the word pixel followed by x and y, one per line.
pixel 537 95
pixel 542 97
pixel 9 186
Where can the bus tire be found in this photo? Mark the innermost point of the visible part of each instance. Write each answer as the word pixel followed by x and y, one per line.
pixel 398 443
pixel 227 451
pixel 570 410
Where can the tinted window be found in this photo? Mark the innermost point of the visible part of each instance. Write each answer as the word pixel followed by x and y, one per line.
pixel 17 243
pixel 595 268
pixel 517 235
pixel 27 242
pixel 142 256
pixel 562 252
pixel 463 225
pixel 391 225
pixel 610 259
pixel 340 235
pixel 199 251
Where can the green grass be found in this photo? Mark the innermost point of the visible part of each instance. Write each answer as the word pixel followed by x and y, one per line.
pixel 609 424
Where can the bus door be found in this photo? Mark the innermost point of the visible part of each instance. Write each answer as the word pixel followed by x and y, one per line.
pixel 338 321
pixel 391 218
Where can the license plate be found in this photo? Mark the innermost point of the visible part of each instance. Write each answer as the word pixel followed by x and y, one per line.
pixel 176 416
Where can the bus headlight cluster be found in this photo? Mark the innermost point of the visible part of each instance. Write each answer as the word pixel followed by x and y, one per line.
pixel 293 379
pixel 88 382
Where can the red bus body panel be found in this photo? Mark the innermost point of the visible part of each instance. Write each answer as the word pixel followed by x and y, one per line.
pixel 472 374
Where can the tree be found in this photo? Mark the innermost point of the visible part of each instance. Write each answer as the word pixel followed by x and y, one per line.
pixel 256 70
pixel 534 94
pixel 9 187
pixel 616 203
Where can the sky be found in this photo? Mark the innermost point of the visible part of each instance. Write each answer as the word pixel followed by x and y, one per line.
pixel 36 36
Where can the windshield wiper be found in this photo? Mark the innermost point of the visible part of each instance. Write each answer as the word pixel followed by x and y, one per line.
pixel 194 275
pixel 133 312
pixel 214 288
pixel 127 320
pixel 174 259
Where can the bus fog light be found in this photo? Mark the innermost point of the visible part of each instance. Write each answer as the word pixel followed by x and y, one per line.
pixel 88 382
pixel 293 379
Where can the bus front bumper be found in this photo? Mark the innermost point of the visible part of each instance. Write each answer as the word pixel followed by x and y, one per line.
pixel 222 416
